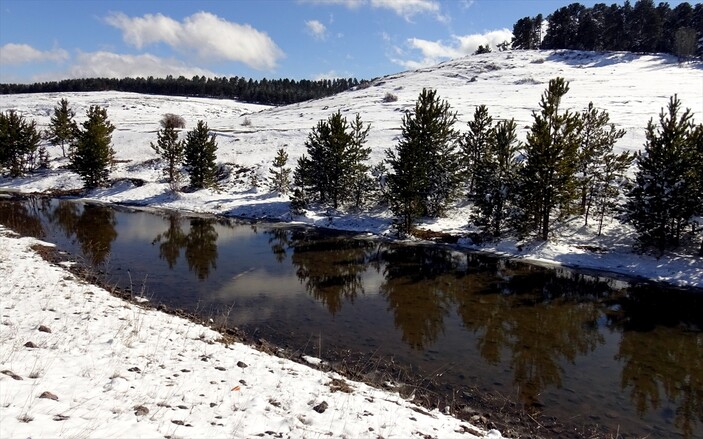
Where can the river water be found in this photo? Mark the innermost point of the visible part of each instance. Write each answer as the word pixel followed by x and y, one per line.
pixel 585 348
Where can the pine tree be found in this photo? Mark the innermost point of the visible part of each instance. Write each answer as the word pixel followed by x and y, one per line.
pixel 495 178
pixel 335 170
pixel 425 162
pixel 547 178
pixel 279 180
pixel 359 180
pixel 19 141
pixel 609 184
pixel 62 128
pixel 696 139
pixel 200 154
pixel 527 33
pixel 475 143
pixel 665 195
pixel 92 151
pixel 169 148
pixel 598 137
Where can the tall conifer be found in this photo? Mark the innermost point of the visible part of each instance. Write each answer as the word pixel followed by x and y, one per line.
pixel 200 156
pixel 547 178
pixel 92 154
pixel 665 195
pixel 425 162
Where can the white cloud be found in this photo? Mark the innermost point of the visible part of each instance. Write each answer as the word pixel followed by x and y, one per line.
pixel 407 8
pixel 433 52
pixel 404 8
pixel 332 74
pixel 14 54
pixel 351 4
pixel 316 29
pixel 210 37
pixel 114 65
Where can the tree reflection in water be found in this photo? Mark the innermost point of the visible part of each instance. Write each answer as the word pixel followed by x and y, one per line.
pixel 66 215
pixel 330 268
pixel 24 217
pixel 659 360
pixel 418 284
pixel 93 227
pixel 171 241
pixel 280 241
pixel 200 245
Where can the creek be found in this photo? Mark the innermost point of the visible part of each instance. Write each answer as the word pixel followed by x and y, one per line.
pixel 586 348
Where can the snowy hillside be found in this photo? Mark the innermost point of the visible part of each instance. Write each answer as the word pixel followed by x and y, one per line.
pixel 632 88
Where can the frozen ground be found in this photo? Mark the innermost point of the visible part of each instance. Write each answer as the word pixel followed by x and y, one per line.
pixel 76 361
pixel 632 88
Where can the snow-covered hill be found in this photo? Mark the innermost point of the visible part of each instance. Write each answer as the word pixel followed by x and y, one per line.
pixel 632 88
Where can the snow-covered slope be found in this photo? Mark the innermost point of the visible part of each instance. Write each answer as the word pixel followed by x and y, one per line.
pixel 632 88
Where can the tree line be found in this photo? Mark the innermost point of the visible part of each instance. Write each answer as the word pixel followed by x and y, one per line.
pixel 565 169
pixel 265 91
pixel 644 27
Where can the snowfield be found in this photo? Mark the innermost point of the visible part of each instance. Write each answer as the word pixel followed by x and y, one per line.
pixel 76 361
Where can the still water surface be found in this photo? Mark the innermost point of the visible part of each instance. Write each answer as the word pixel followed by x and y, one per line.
pixel 584 348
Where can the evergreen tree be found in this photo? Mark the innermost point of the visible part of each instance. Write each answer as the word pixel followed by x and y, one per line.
pixel 665 195
pixel 646 27
pixel 335 170
pixel 19 142
pixel 92 151
pixel 495 178
pixel 475 143
pixel 200 154
pixel 563 28
pixel 62 128
pixel 547 178
pixel 696 139
pixel 279 180
pixel 425 162
pixel 609 184
pixel 169 148
pixel 616 35
pixel 360 182
pixel 483 49
pixel 598 136
pixel 527 33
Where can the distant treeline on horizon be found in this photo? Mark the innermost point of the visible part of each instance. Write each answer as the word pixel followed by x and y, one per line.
pixel 643 28
pixel 264 91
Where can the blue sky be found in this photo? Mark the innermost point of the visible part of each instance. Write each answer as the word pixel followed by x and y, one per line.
pixel 56 39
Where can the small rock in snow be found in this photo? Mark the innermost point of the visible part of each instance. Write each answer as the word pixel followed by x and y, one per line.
pixel 321 407
pixel 29 344
pixel 43 328
pixel 242 364
pixel 49 395
pixel 140 410
pixel 11 374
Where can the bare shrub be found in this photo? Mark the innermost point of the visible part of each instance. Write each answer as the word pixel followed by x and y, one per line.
pixel 390 97
pixel 171 120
